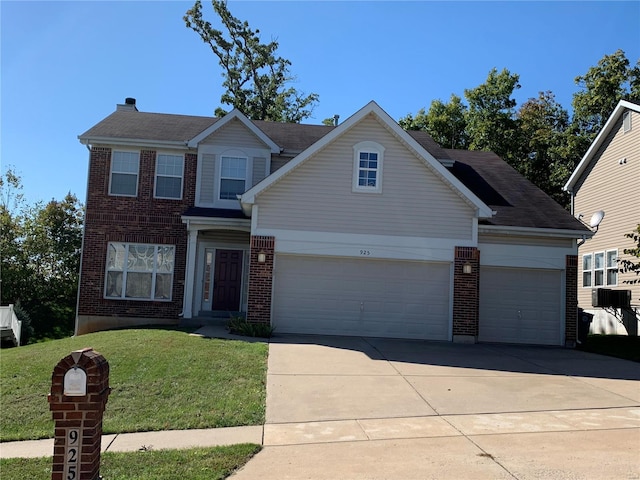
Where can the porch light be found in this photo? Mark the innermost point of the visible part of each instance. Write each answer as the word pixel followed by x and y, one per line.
pixel 467 269
pixel 262 257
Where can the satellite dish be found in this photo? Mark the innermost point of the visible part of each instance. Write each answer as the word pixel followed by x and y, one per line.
pixel 596 219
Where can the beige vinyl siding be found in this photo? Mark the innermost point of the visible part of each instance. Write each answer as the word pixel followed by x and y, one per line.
pixel 615 188
pixel 259 169
pixel 234 134
pixel 207 179
pixel 318 195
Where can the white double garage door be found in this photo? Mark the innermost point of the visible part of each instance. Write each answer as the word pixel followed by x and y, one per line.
pixel 409 299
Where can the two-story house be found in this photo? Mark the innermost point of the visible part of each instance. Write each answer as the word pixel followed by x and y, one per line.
pixel 357 229
pixel 607 179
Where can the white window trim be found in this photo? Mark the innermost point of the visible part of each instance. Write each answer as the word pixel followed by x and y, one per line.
pixel 590 271
pixel 113 151
pixel 231 203
pixel 607 268
pixel 595 270
pixel 155 181
pixel 604 269
pixel 369 147
pixel 125 272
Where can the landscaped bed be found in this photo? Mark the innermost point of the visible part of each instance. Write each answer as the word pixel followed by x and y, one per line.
pixel 620 346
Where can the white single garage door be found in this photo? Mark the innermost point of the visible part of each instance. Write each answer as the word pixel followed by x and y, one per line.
pixel 346 296
pixel 519 305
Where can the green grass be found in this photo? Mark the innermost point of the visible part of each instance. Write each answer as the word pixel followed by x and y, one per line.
pixel 160 380
pixel 194 464
pixel 620 346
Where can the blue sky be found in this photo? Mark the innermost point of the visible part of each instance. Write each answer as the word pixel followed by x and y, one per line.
pixel 65 65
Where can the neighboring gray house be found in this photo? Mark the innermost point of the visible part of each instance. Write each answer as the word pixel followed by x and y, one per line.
pixel 360 229
pixel 608 179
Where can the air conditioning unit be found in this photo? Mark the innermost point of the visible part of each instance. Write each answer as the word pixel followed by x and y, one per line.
pixel 605 297
pixel 621 298
pixel 601 297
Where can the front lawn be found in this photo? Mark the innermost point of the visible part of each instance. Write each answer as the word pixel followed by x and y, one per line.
pixel 160 380
pixel 620 346
pixel 194 464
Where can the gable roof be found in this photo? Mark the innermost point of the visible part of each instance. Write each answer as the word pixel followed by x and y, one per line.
pixel 483 211
pixel 235 114
pixel 486 177
pixel 622 106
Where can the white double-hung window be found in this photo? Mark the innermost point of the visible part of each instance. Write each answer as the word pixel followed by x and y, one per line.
pixel 233 177
pixel 124 173
pixel 367 167
pixel 139 271
pixel 169 175
pixel 600 269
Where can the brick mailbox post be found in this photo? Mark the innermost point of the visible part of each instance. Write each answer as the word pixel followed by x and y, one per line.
pixel 79 392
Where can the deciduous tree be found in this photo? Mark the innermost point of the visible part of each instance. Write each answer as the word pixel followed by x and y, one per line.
pixel 255 78
pixel 445 122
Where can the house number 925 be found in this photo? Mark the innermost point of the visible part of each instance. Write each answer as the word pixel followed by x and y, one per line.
pixel 71 460
pixel 365 253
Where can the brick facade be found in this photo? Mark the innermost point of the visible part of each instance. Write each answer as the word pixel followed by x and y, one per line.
pixel 260 280
pixel 571 300
pixel 141 219
pixel 466 293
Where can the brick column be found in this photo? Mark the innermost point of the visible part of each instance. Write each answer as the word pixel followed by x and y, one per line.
pixel 571 301
pixel 79 392
pixel 260 280
pixel 466 295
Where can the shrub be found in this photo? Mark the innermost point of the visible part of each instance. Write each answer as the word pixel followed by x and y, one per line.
pixel 240 326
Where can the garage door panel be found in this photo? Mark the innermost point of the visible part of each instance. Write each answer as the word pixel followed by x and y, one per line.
pixel 520 306
pixel 346 296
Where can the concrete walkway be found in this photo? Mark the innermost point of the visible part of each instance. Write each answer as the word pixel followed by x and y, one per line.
pixel 354 408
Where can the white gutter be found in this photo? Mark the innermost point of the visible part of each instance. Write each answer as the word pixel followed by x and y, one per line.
pixel 134 142
pixel 537 232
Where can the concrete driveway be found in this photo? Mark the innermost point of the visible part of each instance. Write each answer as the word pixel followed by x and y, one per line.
pixel 355 408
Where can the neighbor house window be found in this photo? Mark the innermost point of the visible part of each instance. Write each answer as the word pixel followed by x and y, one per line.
pixel 124 173
pixel 626 121
pixel 169 174
pixel 233 177
pixel 587 274
pixel 367 169
pixel 612 267
pixel 139 272
pixel 600 269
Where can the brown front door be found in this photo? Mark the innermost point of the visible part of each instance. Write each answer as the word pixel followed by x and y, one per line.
pixel 227 280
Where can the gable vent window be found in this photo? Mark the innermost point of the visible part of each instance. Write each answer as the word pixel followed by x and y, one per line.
pixel 169 173
pixel 626 122
pixel 367 167
pixel 233 177
pixel 124 173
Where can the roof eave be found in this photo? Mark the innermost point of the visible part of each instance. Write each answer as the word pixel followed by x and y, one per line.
pixel 535 231
pixel 133 142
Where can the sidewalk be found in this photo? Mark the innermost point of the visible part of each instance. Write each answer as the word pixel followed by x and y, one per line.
pixel 131 442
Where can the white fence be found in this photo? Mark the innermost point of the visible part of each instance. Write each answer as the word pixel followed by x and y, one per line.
pixel 9 324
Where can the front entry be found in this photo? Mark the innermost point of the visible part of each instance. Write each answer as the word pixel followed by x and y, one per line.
pixel 222 287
